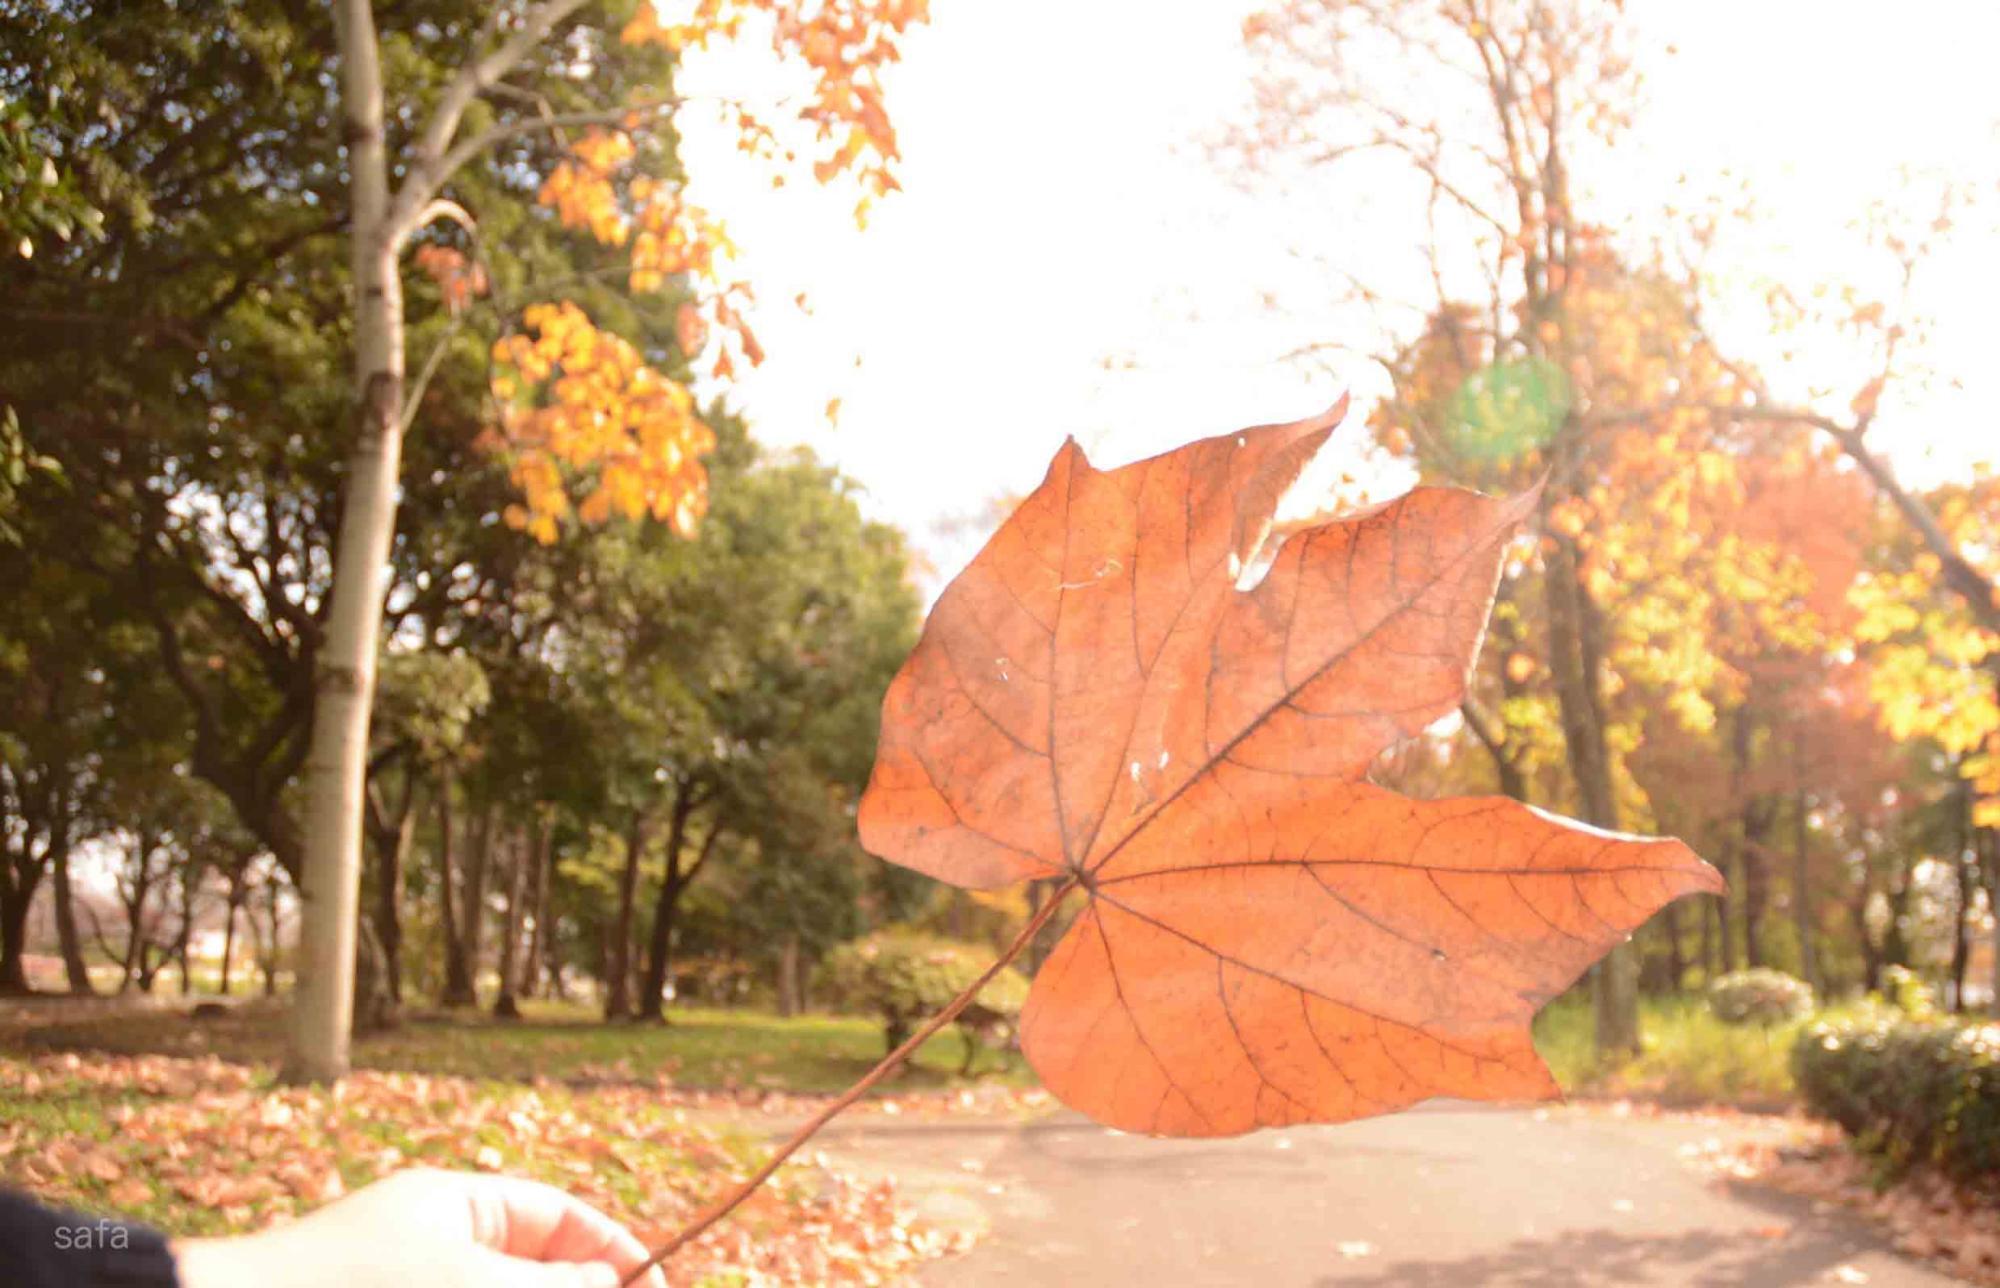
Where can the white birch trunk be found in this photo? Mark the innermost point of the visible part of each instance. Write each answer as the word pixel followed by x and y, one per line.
pixel 344 682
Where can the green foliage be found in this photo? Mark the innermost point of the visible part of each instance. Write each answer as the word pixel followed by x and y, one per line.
pixel 1911 1092
pixel 426 701
pixel 19 464
pixel 1908 992
pixel 904 977
pixel 1689 1056
pixel 36 196
pixel 1759 996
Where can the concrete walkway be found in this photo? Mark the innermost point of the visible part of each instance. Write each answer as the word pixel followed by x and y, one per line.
pixel 1447 1195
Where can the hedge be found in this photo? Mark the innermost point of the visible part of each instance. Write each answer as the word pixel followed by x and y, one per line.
pixel 1909 1092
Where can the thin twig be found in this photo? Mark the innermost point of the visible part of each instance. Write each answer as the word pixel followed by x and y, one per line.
pixel 731 1201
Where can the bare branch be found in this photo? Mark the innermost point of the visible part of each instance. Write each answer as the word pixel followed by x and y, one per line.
pixel 492 137
pixel 432 361
pixel 473 78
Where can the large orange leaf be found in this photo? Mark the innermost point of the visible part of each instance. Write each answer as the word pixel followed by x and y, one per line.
pixel 1268 938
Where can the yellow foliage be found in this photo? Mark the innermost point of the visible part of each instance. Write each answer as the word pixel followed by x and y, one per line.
pixel 603 433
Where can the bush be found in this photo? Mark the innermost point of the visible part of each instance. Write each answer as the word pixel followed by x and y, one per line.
pixel 1906 990
pixel 1759 996
pixel 905 977
pixel 1908 1091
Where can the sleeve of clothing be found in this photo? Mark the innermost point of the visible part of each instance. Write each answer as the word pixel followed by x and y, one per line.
pixel 43 1247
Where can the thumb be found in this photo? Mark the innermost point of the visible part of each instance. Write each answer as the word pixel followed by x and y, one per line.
pixel 513 1272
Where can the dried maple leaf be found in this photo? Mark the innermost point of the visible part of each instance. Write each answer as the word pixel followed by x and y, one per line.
pixel 1267 937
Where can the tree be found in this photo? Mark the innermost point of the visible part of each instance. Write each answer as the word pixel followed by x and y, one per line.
pixel 218 521
pixel 751 663
pixel 385 215
pixel 1547 344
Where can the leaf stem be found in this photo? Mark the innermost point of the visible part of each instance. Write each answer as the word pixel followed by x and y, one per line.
pixel 731 1201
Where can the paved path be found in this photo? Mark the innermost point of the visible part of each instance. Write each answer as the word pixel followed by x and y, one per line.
pixel 1447 1195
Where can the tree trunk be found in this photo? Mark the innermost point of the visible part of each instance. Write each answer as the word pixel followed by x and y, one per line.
pixel 184 938
pixel 1756 878
pixel 74 967
pixel 1871 956
pixel 1895 942
pixel 789 1002
pixel 1962 870
pixel 1725 908
pixel 618 949
pixel 652 989
pixel 472 931
pixel 538 903
pixel 271 958
pixel 344 666
pixel 1708 916
pixel 1575 649
pixel 1670 925
pixel 1753 836
pixel 374 1010
pixel 133 898
pixel 392 835
pixel 134 932
pixel 1802 902
pixel 231 907
pixel 1989 864
pixel 504 1006
pixel 14 904
pixel 458 990
pixel 228 946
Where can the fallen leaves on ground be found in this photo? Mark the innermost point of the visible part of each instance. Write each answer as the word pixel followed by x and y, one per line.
pixel 1924 1215
pixel 201 1146
pixel 1266 937
pixel 982 1100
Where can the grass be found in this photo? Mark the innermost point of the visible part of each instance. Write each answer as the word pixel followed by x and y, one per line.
pixel 194 1151
pixel 97 1113
pixel 697 1048
pixel 1689 1056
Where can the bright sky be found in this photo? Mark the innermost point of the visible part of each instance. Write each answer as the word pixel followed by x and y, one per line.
pixel 1066 258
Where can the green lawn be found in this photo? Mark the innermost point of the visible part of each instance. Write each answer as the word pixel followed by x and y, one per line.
pixel 698 1048
pixel 1690 1057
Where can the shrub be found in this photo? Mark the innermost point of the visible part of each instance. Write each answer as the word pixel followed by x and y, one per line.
pixel 1906 990
pixel 1759 996
pixel 1910 1092
pixel 905 977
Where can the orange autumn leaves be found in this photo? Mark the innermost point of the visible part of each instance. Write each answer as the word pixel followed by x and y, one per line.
pixel 601 408
pixel 209 1145
pixel 588 428
pixel 844 45
pixel 1266 937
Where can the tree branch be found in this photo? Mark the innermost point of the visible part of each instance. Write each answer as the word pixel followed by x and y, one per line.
pixel 473 78
pixel 1980 592
pixel 494 136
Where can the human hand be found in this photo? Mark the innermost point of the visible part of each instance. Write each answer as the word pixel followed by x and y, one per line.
pixel 430 1229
